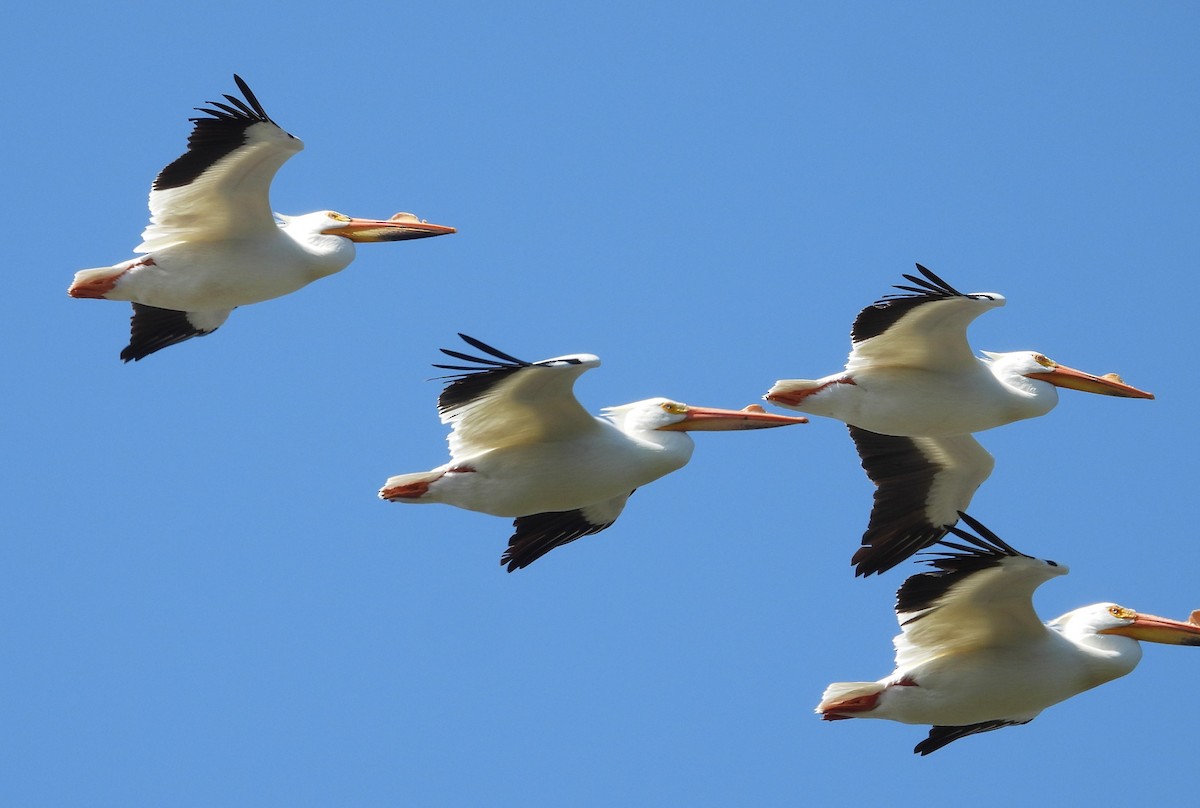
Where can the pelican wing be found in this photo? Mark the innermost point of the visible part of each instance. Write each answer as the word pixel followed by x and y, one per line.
pixel 219 188
pixel 940 736
pixel 921 485
pixel 504 401
pixel 539 533
pixel 152 328
pixel 926 328
pixel 978 595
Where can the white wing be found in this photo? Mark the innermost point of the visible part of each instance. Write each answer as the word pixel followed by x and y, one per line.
pixel 982 597
pixel 511 402
pixel 220 187
pixel 927 329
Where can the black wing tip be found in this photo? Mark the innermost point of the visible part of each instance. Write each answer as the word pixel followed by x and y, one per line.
pixel 902 476
pixel 928 285
pixel 987 542
pixel 500 360
pixel 247 107
pixel 537 534
pixel 218 132
pixel 951 563
pixel 473 380
pixel 880 553
pixel 887 310
pixel 152 328
pixel 940 736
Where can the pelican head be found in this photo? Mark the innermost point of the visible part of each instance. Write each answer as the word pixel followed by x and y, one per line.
pixel 1033 365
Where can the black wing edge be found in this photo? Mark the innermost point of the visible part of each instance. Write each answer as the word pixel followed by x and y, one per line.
pixel 940 736
pixel 152 329
pixel 883 313
pixel 921 591
pixel 214 137
pixel 539 533
pixel 896 529
pixel 475 379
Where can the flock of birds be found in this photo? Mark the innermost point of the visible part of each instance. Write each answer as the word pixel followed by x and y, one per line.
pixel 972 654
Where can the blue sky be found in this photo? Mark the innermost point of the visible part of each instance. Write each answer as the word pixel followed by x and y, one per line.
pixel 204 603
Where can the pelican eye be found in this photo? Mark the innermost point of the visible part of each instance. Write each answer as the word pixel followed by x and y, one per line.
pixel 674 407
pixel 337 217
pixel 1122 612
pixel 1044 361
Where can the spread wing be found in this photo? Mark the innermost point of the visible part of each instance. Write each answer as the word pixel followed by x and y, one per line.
pixel 152 329
pixel 922 484
pixel 539 533
pixel 503 401
pixel 979 594
pixel 219 188
pixel 926 328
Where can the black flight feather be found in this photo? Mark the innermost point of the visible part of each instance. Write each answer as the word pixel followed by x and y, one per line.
pixel 940 736
pixel 475 380
pixel 922 591
pixel 898 526
pixel 539 533
pixel 214 137
pixel 883 313
pixel 152 329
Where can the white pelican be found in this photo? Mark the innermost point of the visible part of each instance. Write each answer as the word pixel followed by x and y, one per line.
pixel 521 445
pixel 912 393
pixel 972 655
pixel 212 243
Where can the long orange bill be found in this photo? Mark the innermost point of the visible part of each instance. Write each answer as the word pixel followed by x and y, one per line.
pixel 1151 628
pixel 712 420
pixel 401 227
pixel 1109 384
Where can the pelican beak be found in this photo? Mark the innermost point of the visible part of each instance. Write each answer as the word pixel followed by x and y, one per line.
pixel 707 419
pixel 1109 384
pixel 1164 630
pixel 401 227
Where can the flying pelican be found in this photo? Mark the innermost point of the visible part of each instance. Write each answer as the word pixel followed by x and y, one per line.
pixel 212 243
pixel 521 445
pixel 912 393
pixel 972 655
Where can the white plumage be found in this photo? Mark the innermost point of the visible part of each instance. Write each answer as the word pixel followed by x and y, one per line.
pixel 522 446
pixel 912 393
pixel 973 655
pixel 213 243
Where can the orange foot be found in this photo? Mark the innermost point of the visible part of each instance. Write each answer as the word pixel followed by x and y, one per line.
pixel 96 286
pixel 796 397
pixel 857 704
pixel 407 491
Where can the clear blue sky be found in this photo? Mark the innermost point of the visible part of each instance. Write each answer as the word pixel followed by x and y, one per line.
pixel 202 602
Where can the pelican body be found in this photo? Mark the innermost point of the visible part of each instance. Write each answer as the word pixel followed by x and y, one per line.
pixel 213 244
pixel 522 446
pixel 913 393
pixel 973 656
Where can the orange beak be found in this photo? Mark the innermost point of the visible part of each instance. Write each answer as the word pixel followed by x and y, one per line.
pixel 401 227
pixel 708 419
pixel 1107 385
pixel 1164 630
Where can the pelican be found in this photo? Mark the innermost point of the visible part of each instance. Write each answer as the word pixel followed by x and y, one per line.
pixel 213 244
pixel 521 445
pixel 913 393
pixel 973 656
